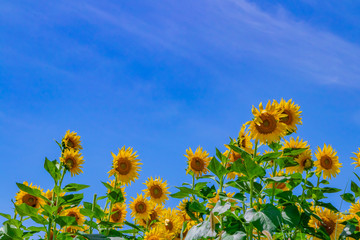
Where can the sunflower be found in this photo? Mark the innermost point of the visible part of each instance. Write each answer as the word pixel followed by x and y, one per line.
pixel 118 213
pixel 75 212
pixel 24 197
pixel 157 190
pixel 71 140
pixel 155 214
pixel 355 208
pixel 327 162
pixel 305 163
pixel 141 207
pixel 292 114
pixel 154 234
pixel 197 161
pixel 122 188
pixel 171 222
pixel 357 159
pixel 243 140
pixel 330 221
pixel 125 165
pixel 72 160
pixel 266 127
pixel 292 143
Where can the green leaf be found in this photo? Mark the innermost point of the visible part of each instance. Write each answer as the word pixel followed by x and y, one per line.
pixel 293 152
pixel 285 162
pixel 200 185
pixel 275 146
pixel 66 221
pixel 32 191
pixel 74 187
pixel 25 210
pixel 95 236
pixel 116 196
pixel 71 199
pixel 355 189
pixel 327 205
pixel 202 230
pixel 249 168
pixel 195 206
pixel 348 230
pixel 278 179
pixel 36 229
pixel 7 216
pixel 291 215
pixel 13 233
pixel 269 156
pixel 244 154
pixel 330 190
pixel 267 219
pixel 217 168
pixel 221 156
pixel 39 219
pixel 348 197
pixel 50 167
pixel 184 192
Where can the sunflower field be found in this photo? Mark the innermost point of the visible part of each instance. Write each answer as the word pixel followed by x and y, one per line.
pixel 268 184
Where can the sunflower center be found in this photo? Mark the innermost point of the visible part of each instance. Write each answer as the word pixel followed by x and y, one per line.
pixel 116 217
pixel 30 200
pixel 243 143
pixel 156 191
pixel 197 164
pixel 329 225
pixel 168 225
pixel 153 216
pixel 280 185
pixel 288 119
pixel 326 162
pixel 69 162
pixel 124 166
pixel 140 207
pixel 307 163
pixel 235 156
pixel 70 144
pixel 268 124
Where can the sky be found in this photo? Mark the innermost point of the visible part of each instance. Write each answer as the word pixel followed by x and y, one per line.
pixel 163 76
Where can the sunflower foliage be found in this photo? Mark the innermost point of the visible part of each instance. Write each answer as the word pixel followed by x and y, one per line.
pixel 266 185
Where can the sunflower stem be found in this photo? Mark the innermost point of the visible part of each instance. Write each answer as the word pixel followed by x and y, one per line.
pixel 274 184
pixel 251 205
pixel 92 209
pixel 193 184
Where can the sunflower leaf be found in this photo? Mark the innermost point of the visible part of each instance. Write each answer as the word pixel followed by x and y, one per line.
pixel 66 221
pixel 32 191
pixel 348 197
pixel 217 168
pixel 25 210
pixel 236 236
pixel 267 219
pixel 327 205
pixel 71 199
pixel 74 187
pixel 7 216
pixel 249 168
pixel 291 215
pixel 116 196
pixel 291 152
pixel 355 189
pixel 50 167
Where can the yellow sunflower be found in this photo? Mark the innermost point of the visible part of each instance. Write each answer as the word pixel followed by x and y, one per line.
pixel 141 207
pixel 75 212
pixel 355 208
pixel 24 197
pixel 155 214
pixel 154 234
pixel 122 188
pixel 171 222
pixel 330 220
pixel 266 127
pixel 118 213
pixel 292 143
pixel 197 161
pixel 72 140
pixel 327 162
pixel 243 140
pixel 356 158
pixel 157 190
pixel 292 114
pixel 305 163
pixel 125 165
pixel 72 160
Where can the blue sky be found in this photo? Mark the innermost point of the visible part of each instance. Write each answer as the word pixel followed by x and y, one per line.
pixel 163 76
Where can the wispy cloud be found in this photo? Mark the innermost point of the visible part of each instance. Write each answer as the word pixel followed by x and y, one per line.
pixel 233 30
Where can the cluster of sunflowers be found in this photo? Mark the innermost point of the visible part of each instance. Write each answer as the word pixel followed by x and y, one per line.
pixel 237 194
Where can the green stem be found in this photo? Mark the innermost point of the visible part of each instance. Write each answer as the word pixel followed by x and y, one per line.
pixel 251 205
pixel 193 185
pixel 274 184
pixel 92 209
pixel 57 201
